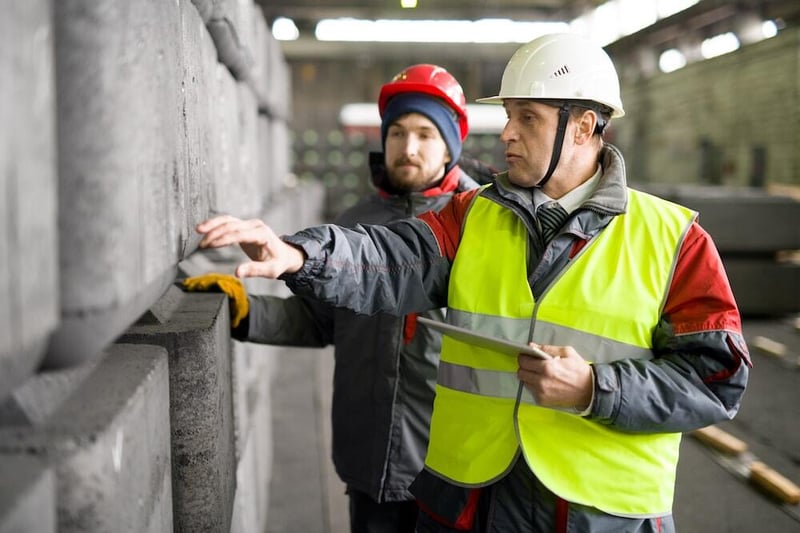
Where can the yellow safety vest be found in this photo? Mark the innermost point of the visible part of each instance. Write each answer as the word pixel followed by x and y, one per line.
pixel 606 303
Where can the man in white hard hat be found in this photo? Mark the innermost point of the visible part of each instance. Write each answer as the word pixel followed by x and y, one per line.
pixel 625 291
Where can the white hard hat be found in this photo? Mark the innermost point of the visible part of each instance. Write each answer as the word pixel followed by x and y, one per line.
pixel 561 66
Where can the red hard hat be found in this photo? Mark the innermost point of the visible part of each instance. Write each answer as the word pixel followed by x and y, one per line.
pixel 432 80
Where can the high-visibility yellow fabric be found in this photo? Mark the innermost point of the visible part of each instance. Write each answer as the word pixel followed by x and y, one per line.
pixel 614 289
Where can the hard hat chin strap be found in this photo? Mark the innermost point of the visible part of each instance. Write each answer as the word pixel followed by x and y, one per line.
pixel 563 118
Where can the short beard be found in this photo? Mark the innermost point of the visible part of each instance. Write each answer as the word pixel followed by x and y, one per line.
pixel 404 183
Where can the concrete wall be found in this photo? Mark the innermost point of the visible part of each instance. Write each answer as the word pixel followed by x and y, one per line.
pixel 730 120
pixel 124 404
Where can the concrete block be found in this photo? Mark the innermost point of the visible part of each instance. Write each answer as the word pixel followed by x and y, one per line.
pixel 764 287
pixel 280 141
pixel 196 172
pixel 81 336
pixel 279 98
pixel 109 445
pixel 118 143
pixel 259 73
pixel 266 175
pixel 253 366
pixel 37 398
pixel 197 339
pixel 250 192
pixel 205 8
pixel 231 27
pixel 29 305
pixel 225 144
pixel 27 495
pixel 245 504
pixel 262 434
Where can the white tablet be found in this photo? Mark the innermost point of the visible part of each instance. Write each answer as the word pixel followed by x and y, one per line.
pixel 484 341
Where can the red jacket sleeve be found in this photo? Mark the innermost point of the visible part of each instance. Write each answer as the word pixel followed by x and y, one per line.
pixel 700 297
pixel 446 224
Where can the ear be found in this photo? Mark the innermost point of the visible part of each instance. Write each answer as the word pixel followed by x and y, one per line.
pixel 585 126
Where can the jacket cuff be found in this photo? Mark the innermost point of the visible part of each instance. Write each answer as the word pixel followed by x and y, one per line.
pixel 605 403
pixel 315 260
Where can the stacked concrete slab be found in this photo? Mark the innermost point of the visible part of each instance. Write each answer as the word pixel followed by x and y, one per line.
pixel 103 452
pixel 757 234
pixel 127 123
pixel 29 305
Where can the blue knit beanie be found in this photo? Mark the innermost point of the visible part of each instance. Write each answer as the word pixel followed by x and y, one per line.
pixel 436 110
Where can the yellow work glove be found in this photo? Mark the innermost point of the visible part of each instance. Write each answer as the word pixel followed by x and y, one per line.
pixel 230 285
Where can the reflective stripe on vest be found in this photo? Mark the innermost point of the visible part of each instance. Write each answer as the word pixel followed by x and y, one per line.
pixel 606 304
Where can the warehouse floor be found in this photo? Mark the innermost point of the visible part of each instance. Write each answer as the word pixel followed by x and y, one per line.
pixel 307 496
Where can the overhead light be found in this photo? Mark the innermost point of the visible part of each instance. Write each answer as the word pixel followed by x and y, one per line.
pixel 284 29
pixel 718 45
pixel 769 29
pixel 671 60
pixel 408 4
pixel 434 31
pixel 604 24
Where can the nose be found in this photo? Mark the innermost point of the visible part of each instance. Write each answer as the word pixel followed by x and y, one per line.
pixel 509 133
pixel 412 145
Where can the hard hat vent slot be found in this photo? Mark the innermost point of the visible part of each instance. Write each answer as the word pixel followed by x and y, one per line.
pixel 562 71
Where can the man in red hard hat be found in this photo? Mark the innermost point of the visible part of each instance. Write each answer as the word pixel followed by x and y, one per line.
pixel 385 365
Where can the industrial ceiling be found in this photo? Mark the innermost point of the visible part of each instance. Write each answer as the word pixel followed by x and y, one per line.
pixel 705 17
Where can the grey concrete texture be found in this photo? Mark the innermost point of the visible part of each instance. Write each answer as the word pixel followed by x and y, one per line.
pixel 34 400
pixel 152 139
pixel 267 169
pixel 29 241
pixel 234 190
pixel 27 495
pixel 258 77
pixel 280 142
pixel 231 53
pixel 205 8
pixel 764 287
pixel 118 116
pixel 255 368
pixel 230 23
pixel 198 105
pixel 109 445
pixel 197 339
pixel 273 157
pixel 249 188
pixel 279 76
pixel 733 104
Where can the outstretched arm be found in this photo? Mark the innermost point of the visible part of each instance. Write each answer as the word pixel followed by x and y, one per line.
pixel 396 268
pixel 271 257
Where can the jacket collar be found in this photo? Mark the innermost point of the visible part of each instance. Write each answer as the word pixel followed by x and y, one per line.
pixel 610 196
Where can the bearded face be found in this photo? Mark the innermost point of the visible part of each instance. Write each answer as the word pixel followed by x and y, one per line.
pixel 415 153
